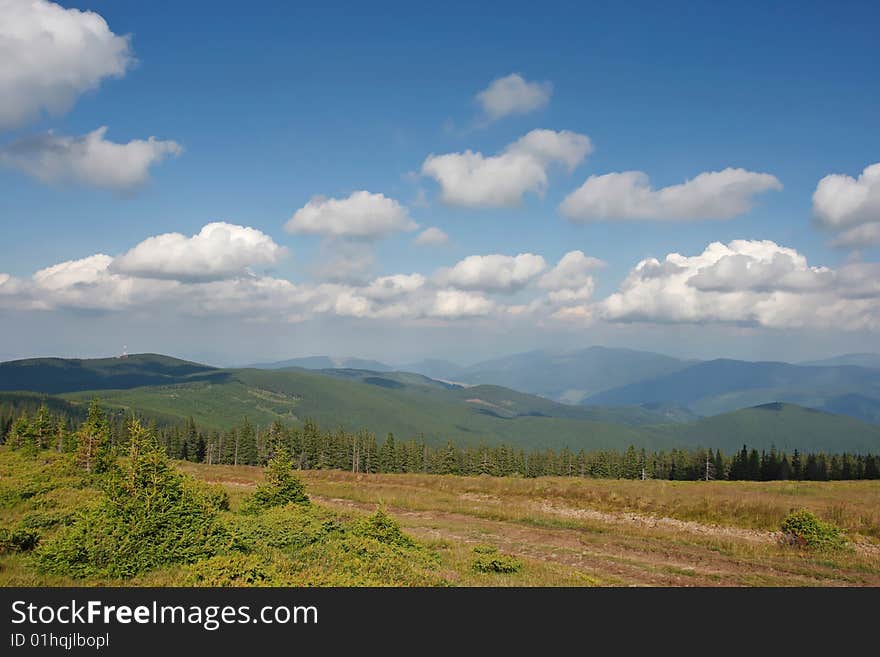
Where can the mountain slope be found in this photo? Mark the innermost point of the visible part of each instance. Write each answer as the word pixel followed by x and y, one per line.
pixel 860 360
pixel 323 363
pixel 408 410
pixel 786 426
pixel 410 405
pixel 54 375
pixel 719 386
pixel 570 376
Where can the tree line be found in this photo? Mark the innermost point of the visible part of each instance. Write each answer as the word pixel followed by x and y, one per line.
pixel 100 434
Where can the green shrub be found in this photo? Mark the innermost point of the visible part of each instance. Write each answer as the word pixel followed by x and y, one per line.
pixel 149 516
pixel 18 539
pixel 232 570
pixel 349 559
pixel 281 487
pixel 803 529
pixel 288 527
pixel 489 560
pixel 383 528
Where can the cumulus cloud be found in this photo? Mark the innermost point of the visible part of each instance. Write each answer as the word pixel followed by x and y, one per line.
pixel 746 282
pixel 87 160
pixel 50 55
pixel 474 180
pixel 512 94
pixel 394 287
pixel 431 237
pixel 493 273
pixel 219 250
pixel 457 304
pixel 573 270
pixel 858 236
pixel 361 215
pixel 629 196
pixel 851 205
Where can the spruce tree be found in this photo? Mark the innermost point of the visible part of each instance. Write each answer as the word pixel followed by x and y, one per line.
pixel 93 453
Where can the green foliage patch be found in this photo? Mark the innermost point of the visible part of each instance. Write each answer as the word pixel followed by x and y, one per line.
pixel 383 528
pixel 804 529
pixel 149 516
pixel 489 560
pixel 281 487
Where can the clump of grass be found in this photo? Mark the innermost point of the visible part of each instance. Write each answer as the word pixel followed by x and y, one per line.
pixel 489 560
pixel 803 529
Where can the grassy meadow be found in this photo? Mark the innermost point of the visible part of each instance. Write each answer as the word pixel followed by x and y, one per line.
pixel 445 529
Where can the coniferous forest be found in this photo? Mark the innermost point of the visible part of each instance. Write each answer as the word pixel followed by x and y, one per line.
pixel 315 447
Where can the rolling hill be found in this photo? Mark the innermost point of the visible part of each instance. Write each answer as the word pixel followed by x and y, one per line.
pixel 53 375
pixel 719 386
pixel 860 360
pixel 411 405
pixel 570 376
pixel 786 426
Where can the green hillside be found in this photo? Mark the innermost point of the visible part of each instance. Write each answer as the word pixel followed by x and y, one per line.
pixel 410 405
pixel 54 375
pixel 786 426
pixel 409 410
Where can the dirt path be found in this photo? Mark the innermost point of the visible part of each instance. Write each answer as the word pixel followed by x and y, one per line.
pixel 644 551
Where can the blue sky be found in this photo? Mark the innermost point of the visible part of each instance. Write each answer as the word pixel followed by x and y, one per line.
pixel 280 103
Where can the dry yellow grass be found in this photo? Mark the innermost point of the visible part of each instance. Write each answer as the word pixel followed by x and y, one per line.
pixel 611 532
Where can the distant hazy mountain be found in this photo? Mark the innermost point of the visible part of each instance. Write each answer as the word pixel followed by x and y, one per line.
pixel 860 360
pixel 719 386
pixel 324 363
pixel 570 376
pixel 435 369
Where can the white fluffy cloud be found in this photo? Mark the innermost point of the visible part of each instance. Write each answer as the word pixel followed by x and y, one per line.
pixel 219 250
pixel 747 282
pixel 431 237
pixel 858 236
pixel 458 304
pixel 493 273
pixel 573 270
pixel 512 94
pixel 50 55
pixel 361 215
pixel 87 160
pixel 474 180
pixel 850 205
pixel 394 287
pixel 629 196
pixel 571 282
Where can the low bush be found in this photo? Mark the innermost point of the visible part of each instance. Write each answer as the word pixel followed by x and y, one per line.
pixel 18 539
pixel 383 528
pixel 489 560
pixel 804 530
pixel 288 527
pixel 233 570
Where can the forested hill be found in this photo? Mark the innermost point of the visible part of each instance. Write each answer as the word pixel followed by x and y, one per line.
pixel 57 375
pixel 410 406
